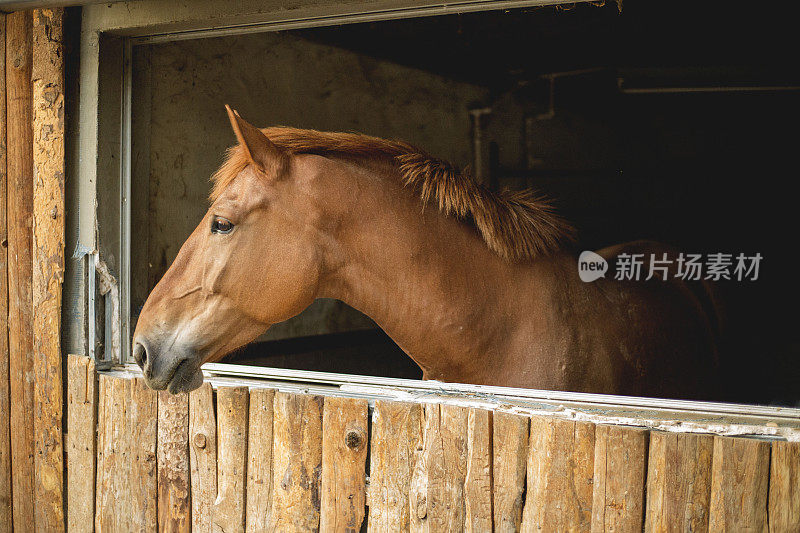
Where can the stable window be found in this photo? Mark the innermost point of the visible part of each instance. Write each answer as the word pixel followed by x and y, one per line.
pixel 162 132
pixel 634 135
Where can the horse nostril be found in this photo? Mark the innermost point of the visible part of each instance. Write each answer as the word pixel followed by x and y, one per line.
pixel 140 354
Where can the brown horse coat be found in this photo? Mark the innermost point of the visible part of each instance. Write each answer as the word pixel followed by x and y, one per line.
pixel 476 287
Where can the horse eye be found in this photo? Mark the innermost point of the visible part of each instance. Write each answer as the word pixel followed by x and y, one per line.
pixel 221 225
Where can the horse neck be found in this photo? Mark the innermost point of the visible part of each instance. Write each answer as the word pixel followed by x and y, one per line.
pixel 428 280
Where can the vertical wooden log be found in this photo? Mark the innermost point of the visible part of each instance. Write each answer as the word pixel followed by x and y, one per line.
pixel 101 478
pixel 202 457
pixel 297 460
pixel 173 463
pixel 110 502
pixel 437 486
pixel 678 482
pixel 229 507
pixel 784 487
pixel 620 461
pixel 81 451
pixel 344 457
pixel 510 451
pixel 19 135
pixel 478 482
pixel 5 384
pixel 48 262
pixel 259 460
pixel 140 470
pixel 560 471
pixel 126 490
pixel 739 485
pixel 395 434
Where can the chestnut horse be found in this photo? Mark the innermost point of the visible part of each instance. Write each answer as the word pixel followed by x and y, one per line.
pixel 476 287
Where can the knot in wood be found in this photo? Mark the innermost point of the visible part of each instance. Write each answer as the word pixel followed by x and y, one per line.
pixel 200 440
pixel 422 508
pixel 354 438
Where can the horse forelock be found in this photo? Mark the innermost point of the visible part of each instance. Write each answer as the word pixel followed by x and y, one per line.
pixel 517 226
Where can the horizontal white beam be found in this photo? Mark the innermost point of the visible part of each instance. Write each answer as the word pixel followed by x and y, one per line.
pixel 657 414
pixel 222 369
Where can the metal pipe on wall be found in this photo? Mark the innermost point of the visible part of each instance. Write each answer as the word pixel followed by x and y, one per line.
pixel 478 171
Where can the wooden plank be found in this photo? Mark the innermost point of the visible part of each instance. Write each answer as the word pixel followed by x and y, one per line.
pixel 620 459
pixel 396 430
pixel 81 450
pixel 739 485
pixel 229 507
pixel 478 481
pixel 344 458
pixel 102 443
pixel 48 262
pixel 259 460
pixel 784 487
pixel 297 460
pixel 560 471
pixel 173 462
pixel 19 163
pixel 678 482
pixel 510 459
pixel 111 438
pixel 5 384
pixel 437 487
pixel 141 436
pixel 202 457
pixel 126 492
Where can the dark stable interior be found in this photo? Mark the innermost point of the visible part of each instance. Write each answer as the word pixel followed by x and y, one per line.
pixel 674 121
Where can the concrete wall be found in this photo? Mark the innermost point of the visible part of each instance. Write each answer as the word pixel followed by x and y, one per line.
pixel 181 130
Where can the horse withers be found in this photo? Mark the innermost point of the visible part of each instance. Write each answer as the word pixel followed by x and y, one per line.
pixel 475 286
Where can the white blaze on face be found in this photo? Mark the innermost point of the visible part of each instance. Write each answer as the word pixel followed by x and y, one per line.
pixel 591 266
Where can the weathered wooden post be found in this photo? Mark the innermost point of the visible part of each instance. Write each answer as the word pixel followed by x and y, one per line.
pixel 5 385
pixel 19 109
pixel 48 265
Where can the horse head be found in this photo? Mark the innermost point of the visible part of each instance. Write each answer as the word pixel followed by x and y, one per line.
pixel 251 262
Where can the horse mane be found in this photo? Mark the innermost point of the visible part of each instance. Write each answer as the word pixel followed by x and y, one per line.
pixel 516 225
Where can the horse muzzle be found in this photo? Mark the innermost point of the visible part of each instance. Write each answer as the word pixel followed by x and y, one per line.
pixel 177 370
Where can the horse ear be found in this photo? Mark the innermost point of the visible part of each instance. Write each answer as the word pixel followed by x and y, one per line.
pixel 259 149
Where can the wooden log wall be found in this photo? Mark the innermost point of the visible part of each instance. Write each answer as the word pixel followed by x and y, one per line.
pixel 32 183
pixel 261 460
